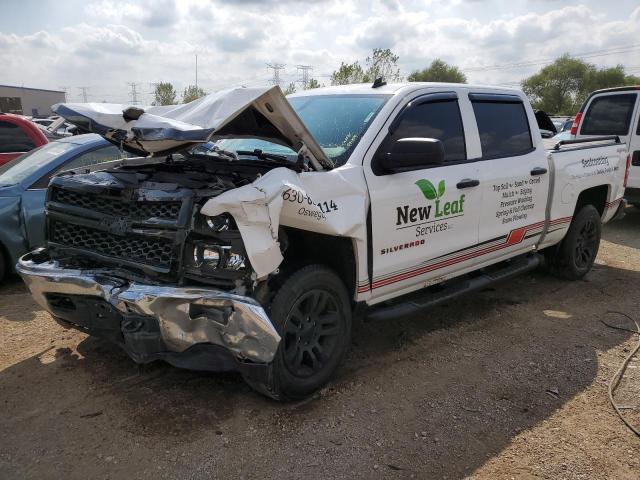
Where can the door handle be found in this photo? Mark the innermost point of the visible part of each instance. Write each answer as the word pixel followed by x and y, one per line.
pixel 467 183
pixel 538 171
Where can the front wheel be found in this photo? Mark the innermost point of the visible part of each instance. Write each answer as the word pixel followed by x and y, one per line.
pixel 312 313
pixel 577 252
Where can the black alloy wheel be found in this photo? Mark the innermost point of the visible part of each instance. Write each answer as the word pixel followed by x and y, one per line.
pixel 311 332
pixel 587 242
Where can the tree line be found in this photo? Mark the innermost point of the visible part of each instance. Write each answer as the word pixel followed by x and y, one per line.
pixel 558 88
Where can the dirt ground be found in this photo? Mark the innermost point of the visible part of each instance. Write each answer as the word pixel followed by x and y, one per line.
pixel 510 382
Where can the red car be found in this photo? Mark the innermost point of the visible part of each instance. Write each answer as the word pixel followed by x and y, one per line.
pixel 17 136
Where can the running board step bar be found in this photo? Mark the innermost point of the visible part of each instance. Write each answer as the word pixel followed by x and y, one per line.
pixel 417 301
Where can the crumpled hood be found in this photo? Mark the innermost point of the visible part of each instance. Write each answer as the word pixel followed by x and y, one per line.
pixel 261 113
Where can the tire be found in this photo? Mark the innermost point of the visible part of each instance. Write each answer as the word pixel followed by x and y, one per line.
pixel 312 313
pixel 577 252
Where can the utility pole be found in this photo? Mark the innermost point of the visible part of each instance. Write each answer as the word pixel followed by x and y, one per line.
pixel 64 88
pixel 304 72
pixel 276 67
pixel 196 72
pixel 133 93
pixel 84 93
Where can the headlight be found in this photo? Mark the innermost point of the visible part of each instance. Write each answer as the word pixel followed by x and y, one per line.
pixel 219 223
pixel 235 261
pixel 207 256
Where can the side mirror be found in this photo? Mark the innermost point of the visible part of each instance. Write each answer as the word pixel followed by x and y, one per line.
pixel 407 154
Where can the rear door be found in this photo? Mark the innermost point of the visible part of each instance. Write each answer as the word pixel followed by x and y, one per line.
pixel 616 113
pixel 424 220
pixel 514 175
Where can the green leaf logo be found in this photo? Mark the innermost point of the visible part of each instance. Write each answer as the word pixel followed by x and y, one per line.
pixel 429 191
pixel 427 188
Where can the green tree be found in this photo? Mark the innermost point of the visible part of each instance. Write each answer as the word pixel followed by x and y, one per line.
pixel 383 63
pixel 438 71
pixel 560 88
pixel 164 94
pixel 290 89
pixel 192 93
pixel 313 83
pixel 348 73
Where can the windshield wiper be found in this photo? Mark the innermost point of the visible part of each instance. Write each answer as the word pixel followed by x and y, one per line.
pixel 264 155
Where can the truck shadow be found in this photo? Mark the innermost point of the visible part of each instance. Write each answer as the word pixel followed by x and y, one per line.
pixel 16 303
pixel 436 394
pixel 625 231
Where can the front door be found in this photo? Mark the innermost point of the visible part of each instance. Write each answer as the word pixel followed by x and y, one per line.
pixel 425 221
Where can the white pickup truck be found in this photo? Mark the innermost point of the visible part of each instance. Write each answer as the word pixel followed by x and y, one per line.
pixel 254 252
pixel 615 111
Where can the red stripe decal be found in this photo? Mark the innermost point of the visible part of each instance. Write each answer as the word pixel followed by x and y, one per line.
pixel 515 237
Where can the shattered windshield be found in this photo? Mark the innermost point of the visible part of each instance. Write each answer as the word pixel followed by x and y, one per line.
pixel 337 122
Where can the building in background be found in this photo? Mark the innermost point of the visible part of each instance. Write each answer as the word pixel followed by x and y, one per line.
pixel 35 102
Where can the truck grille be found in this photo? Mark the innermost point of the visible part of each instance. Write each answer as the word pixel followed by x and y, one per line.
pixel 116 208
pixel 145 250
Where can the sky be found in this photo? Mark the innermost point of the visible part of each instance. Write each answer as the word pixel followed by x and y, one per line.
pixel 107 45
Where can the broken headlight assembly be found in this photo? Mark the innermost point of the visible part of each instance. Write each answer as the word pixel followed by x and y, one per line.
pixel 214 251
pixel 211 257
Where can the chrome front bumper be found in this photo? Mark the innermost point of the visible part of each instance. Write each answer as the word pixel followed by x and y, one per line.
pixel 185 316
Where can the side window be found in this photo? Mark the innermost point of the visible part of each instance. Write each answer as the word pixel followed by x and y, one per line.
pixel 93 157
pixel 503 127
pixel 14 139
pixel 609 115
pixel 440 120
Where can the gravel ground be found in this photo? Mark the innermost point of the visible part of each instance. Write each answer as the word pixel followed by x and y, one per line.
pixel 510 382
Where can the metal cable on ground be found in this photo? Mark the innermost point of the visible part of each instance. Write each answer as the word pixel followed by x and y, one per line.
pixel 617 377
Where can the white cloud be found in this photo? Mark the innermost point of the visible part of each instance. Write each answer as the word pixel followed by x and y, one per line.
pixel 147 41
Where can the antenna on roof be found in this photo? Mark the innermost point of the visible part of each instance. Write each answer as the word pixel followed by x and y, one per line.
pixel 378 82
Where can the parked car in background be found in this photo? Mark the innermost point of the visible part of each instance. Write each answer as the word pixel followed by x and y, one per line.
pixel 615 111
pixel 57 129
pixel 562 123
pixel 17 136
pixel 45 122
pixel 566 125
pixel 23 184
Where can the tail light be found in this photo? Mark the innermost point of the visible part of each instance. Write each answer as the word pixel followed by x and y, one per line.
pixel 576 124
pixel 626 173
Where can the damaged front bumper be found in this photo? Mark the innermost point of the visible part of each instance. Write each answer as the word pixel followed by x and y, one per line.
pixel 190 327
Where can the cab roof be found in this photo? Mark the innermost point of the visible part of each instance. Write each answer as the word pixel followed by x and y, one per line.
pixel 393 88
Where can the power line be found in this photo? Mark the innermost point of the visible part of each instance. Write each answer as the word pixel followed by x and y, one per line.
pixel 304 71
pixel 531 63
pixel 84 93
pixel 276 67
pixel 133 92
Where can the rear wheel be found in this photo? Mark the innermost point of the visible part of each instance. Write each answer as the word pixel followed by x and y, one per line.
pixel 312 313
pixel 577 252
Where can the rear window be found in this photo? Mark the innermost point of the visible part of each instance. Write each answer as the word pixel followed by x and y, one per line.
pixel 14 139
pixel 503 128
pixel 609 115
